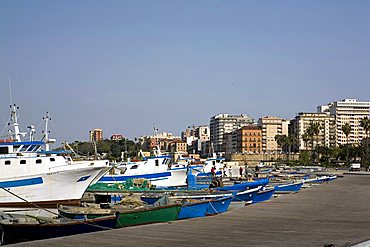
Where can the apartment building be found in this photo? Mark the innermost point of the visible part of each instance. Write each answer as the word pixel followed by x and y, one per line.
pixel 272 126
pixel 249 139
pixel 298 127
pixel 96 135
pixel 347 111
pixel 224 123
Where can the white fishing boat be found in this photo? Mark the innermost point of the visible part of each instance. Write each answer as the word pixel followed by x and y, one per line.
pixel 32 174
pixel 157 169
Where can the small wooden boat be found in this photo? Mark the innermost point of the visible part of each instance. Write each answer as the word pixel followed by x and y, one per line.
pixel 219 206
pixel 263 195
pixel 241 186
pixel 288 187
pixel 90 211
pixel 127 215
pixel 16 228
pixel 146 215
pixel 193 209
pixel 247 195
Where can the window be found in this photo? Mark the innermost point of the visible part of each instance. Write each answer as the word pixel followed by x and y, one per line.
pixel 156 162
pixel 52 159
pixel 7 162
pixel 22 162
pixel 4 150
pixel 38 161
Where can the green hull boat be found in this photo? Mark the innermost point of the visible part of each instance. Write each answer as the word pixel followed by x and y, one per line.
pixel 148 215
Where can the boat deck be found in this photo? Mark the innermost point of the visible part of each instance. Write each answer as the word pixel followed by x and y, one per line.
pixel 335 213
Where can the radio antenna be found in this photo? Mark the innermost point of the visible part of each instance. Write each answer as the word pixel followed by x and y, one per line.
pixel 10 92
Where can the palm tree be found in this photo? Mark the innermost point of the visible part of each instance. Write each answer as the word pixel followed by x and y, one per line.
pixel 305 138
pixel 346 128
pixel 282 141
pixel 313 130
pixel 365 124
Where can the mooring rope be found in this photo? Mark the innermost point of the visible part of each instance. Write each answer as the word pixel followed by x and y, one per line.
pixel 49 211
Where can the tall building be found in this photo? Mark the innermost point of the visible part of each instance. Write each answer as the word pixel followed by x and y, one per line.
pixel 249 139
pixel 347 111
pixel 298 127
pixel 272 126
pixel 224 123
pixel 96 135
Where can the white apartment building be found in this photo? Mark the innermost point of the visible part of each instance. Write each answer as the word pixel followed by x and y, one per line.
pixel 272 126
pixel 225 123
pixel 347 111
pixel 298 127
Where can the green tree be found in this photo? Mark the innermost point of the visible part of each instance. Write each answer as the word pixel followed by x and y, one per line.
pixel 313 131
pixel 365 124
pixel 346 128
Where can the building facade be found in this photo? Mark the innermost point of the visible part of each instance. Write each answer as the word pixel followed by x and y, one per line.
pixel 272 126
pixel 96 135
pixel 225 123
pixel 249 139
pixel 347 111
pixel 298 127
pixel 116 137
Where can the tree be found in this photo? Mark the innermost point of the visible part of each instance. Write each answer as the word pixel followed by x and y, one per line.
pixel 346 128
pixel 313 131
pixel 306 138
pixel 365 124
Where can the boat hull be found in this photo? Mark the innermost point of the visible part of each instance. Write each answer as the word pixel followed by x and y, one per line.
pixel 148 215
pixel 294 187
pixel 171 177
pixel 218 206
pixel 263 195
pixel 246 195
pixel 193 210
pixel 15 233
pixel 60 187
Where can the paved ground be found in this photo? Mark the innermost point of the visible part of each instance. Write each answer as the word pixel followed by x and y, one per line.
pixel 335 213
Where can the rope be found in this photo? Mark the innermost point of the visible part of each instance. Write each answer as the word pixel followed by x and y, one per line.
pixel 213 207
pixel 49 211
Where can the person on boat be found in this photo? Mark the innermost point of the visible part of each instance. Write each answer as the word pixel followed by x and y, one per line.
pixel 241 171
pixel 257 170
pixel 213 171
pixel 230 172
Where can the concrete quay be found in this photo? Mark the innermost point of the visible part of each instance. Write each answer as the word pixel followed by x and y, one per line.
pixel 336 213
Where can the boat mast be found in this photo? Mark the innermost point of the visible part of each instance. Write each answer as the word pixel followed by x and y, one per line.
pixel 46 131
pixel 16 136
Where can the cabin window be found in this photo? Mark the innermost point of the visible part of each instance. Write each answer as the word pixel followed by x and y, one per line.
pixel 31 148
pixel 24 148
pixel 15 147
pixel 4 150
pixel 134 167
pixel 156 162
pixel 22 162
pixel 7 162
pixel 52 159
pixel 38 161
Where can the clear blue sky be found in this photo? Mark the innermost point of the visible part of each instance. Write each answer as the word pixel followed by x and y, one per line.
pixel 124 65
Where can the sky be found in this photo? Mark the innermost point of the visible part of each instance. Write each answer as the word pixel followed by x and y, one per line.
pixel 125 65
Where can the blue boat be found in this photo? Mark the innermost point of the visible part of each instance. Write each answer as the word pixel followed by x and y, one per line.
pixel 193 210
pixel 263 195
pixel 290 187
pixel 219 206
pixel 245 185
pixel 246 195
